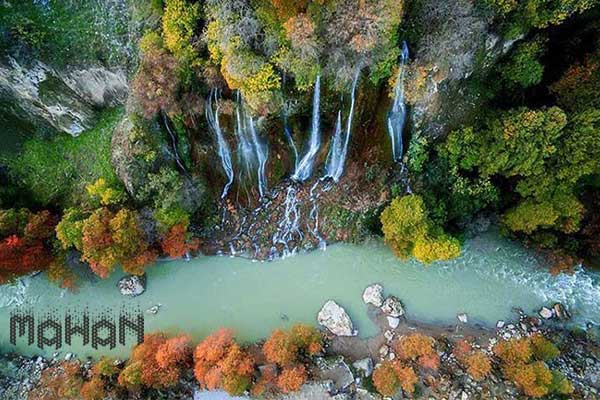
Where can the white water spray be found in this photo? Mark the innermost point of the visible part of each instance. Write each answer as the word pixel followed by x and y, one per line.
pixel 212 116
pixel 252 152
pixel 305 166
pixel 397 115
pixel 338 151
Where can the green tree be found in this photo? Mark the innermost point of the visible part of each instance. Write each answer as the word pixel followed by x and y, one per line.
pixel 409 231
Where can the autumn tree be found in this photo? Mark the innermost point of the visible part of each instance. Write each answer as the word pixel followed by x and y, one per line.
pixel 408 230
pixel 478 365
pixel 61 381
pixel 390 376
pixel 157 362
pixel 156 82
pixel 577 90
pixel 111 238
pixel 522 362
pixel 176 243
pixel 220 363
pixel 292 378
pixel 26 242
pixel 417 347
pixel 285 347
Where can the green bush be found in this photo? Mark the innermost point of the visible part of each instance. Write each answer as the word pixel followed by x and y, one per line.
pixel 57 170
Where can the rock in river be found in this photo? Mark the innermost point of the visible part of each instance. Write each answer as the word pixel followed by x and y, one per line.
pixel 393 322
pixel 546 313
pixel 336 319
pixel 561 312
pixel 132 285
pixel 393 307
pixel 373 294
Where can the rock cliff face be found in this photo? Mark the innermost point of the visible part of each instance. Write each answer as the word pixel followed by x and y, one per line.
pixel 457 41
pixel 58 100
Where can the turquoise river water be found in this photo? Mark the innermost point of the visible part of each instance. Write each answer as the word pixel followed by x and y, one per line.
pixel 491 276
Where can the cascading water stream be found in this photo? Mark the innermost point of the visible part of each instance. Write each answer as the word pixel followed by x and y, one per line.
pixel 290 139
pixel 212 116
pixel 397 115
pixel 314 216
pixel 288 228
pixel 252 152
pixel 305 166
pixel 173 142
pixel 336 159
pixel 262 154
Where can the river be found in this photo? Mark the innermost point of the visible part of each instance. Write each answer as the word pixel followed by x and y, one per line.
pixel 491 276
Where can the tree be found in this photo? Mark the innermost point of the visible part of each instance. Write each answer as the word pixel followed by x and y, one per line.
pixel 156 82
pixel 292 378
pixel 27 246
pixel 175 242
pixel 478 365
pixel 219 362
pixel 179 22
pixel 523 67
pixel 110 239
pixel 285 348
pixel 522 362
pixel 409 231
pixel 539 157
pixel 390 376
pixel 61 381
pixel 94 389
pixel 414 346
pixel 577 90
pixel 158 362
pixel 104 194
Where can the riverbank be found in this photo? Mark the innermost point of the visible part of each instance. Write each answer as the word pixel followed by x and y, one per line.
pixel 344 369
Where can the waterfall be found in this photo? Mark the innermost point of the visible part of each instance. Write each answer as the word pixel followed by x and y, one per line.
pixel 212 116
pixel 304 168
pixel 336 158
pixel 314 216
pixel 290 139
pixel 397 115
pixel 252 152
pixel 288 227
pixel 173 142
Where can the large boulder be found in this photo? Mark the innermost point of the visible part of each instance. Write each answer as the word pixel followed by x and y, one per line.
pixel 66 100
pixel 333 317
pixel 373 294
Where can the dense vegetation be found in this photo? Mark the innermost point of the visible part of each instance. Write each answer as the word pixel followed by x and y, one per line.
pixel 220 362
pixel 530 157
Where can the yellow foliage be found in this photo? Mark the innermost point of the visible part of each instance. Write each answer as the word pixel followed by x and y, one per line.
pixel 106 194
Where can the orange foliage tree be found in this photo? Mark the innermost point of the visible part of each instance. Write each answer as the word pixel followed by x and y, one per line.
pixel 110 239
pixel 175 242
pixel 158 362
pixel 219 362
pixel 292 378
pixel 419 348
pixel 94 389
pixel 523 364
pixel 284 347
pixel 478 365
pixel 62 381
pixel 390 376
pixel 26 245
